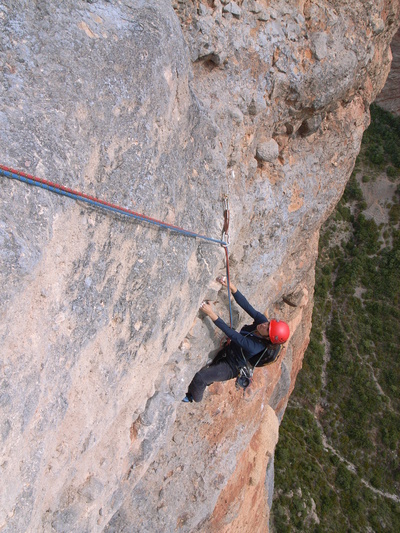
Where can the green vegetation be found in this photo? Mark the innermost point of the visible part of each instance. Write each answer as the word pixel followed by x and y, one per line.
pixel 351 397
pixel 381 139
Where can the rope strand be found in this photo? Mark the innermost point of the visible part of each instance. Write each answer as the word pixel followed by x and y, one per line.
pixel 91 200
pixel 76 195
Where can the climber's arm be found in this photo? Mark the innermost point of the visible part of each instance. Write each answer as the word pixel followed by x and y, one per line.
pixel 258 317
pixel 249 344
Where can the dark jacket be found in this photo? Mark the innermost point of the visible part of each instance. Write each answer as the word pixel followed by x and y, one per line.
pixel 246 345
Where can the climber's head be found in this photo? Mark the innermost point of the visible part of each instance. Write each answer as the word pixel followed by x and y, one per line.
pixel 278 331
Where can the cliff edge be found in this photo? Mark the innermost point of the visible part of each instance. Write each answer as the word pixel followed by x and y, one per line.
pixel 163 107
pixel 389 97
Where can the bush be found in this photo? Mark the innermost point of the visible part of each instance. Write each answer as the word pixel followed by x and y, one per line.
pixel 392 172
pixel 343 478
pixel 353 191
pixel 394 214
pixel 376 154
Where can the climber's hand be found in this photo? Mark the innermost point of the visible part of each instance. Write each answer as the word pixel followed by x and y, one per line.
pixel 206 307
pixel 222 280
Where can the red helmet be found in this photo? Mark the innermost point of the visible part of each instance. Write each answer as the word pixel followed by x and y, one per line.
pixel 278 331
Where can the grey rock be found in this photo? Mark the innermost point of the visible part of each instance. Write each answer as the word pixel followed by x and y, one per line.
pixel 268 151
pixel 257 105
pixel 319 45
pixel 284 60
pixel 273 13
pixel 310 125
pixel 254 7
pixel 233 8
pixel 236 115
pixel 293 31
pixel 5 429
pixel 275 32
pixel 62 520
pixel 270 480
pixel 389 97
pixel 377 24
pixel 204 10
pixel 263 16
pixel 280 392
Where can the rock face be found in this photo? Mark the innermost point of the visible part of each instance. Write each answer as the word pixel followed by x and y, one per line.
pixel 162 107
pixel 389 97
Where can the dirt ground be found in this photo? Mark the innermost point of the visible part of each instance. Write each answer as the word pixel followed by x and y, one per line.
pixel 378 193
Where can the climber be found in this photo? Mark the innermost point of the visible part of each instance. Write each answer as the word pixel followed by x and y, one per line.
pixel 256 345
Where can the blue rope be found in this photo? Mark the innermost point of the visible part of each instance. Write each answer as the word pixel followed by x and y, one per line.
pixel 69 193
pixel 112 208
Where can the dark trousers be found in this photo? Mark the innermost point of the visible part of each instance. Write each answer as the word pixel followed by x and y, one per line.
pixel 220 370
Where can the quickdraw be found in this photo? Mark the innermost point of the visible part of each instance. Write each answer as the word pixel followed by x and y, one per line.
pixel 225 230
pixel 226 239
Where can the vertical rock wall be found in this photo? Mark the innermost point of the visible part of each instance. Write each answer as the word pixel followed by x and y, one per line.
pixel 389 97
pixel 163 107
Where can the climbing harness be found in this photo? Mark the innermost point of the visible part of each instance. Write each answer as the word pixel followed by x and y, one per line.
pixel 245 377
pixel 246 370
pixel 91 200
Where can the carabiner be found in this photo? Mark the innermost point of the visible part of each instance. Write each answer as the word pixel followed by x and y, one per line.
pixel 225 239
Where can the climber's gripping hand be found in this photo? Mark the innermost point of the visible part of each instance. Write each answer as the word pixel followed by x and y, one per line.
pixel 207 308
pixel 224 282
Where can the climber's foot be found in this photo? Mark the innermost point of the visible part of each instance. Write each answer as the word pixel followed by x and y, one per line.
pixel 188 398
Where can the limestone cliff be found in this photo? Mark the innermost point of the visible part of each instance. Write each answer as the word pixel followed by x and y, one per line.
pixel 389 97
pixel 162 107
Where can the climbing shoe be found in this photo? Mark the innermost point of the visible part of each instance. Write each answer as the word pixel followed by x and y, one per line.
pixel 188 398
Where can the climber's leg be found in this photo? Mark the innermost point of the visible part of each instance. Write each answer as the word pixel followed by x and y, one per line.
pixel 221 371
